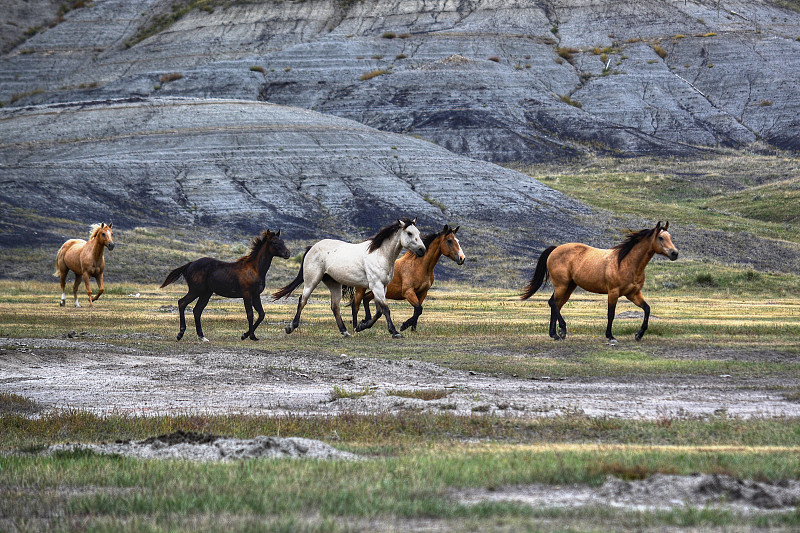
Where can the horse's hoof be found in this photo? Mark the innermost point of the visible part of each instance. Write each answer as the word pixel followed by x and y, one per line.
pixel 253 338
pixel 638 336
pixel 397 335
pixel 612 342
pixel 77 304
pixel 244 336
pixel 414 327
pixel 346 333
pixel 289 329
pixel 204 339
pixel 61 303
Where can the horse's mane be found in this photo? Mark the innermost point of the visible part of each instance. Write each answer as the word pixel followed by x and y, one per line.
pixel 386 232
pixel 633 238
pixel 256 244
pixel 94 229
pixel 427 240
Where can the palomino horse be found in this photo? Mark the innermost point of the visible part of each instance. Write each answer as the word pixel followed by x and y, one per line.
pixel 244 278
pixel 86 260
pixel 366 264
pixel 618 271
pixel 413 277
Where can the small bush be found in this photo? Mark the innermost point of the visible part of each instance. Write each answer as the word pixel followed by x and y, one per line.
pixel 420 394
pixel 369 75
pixel 171 76
pixel 389 35
pixel 400 56
pixel 287 69
pixel 567 100
pixel 257 68
pixel 494 58
pixel 709 34
pixel 567 53
pixel 404 36
pixel 339 392
pixel 765 103
pixel 705 280
pixel 660 51
pixel 377 56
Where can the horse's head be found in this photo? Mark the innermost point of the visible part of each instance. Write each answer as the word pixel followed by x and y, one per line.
pixel 104 234
pixel 276 245
pixel 450 245
pixel 662 243
pixel 410 238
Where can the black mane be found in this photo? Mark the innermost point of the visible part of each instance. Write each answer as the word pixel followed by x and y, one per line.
pixel 256 244
pixel 386 232
pixel 633 238
pixel 427 240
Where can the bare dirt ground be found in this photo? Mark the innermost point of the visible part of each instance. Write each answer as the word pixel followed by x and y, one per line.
pixel 104 378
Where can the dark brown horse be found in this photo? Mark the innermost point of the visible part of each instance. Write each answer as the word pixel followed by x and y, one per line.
pixel 413 277
pixel 618 271
pixel 244 278
pixel 86 260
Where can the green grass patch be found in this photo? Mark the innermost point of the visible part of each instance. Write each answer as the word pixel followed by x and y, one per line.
pixel 420 394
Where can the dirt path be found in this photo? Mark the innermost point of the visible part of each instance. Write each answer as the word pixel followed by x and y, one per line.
pixel 104 378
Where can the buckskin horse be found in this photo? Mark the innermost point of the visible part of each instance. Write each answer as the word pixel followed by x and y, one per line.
pixel 366 264
pixel 85 258
pixel 244 278
pixel 618 271
pixel 413 278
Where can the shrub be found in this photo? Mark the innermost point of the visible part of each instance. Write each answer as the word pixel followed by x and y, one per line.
pixel 660 51
pixel 257 68
pixel 766 103
pixel 567 53
pixel 369 75
pixel 389 35
pixel 495 59
pixel 171 76
pixel 400 56
pixel 574 103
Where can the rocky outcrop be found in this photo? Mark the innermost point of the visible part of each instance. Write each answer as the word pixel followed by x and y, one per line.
pixel 517 81
pixel 252 165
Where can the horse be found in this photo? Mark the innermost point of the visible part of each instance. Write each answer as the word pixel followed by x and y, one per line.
pixel 365 264
pixel 243 278
pixel 413 277
pixel 86 260
pixel 618 271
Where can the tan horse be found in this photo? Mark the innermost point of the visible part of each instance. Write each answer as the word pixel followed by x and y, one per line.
pixel 618 271
pixel 413 277
pixel 86 260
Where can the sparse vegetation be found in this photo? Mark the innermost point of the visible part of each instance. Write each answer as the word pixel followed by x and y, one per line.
pixel 567 53
pixel 372 74
pixel 494 58
pixel 170 76
pixel 567 99
pixel 660 51
pixel 400 56
pixel 340 392
pixel 389 35
pixel 420 394
pixel 258 68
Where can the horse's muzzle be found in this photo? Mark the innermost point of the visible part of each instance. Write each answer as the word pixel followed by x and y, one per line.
pixel 673 255
pixel 110 246
pixel 461 260
pixel 420 251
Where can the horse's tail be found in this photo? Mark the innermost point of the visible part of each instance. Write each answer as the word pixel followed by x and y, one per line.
pixel 287 290
pixel 541 275
pixel 175 274
pixel 348 295
pixel 60 258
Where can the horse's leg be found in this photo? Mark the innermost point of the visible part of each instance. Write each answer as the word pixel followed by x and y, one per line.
pixel 379 291
pixel 369 318
pixel 308 288
pixel 561 294
pixel 87 280
pixel 197 311
pixel 336 297
pixel 358 295
pixel 100 288
pixel 75 287
pixel 613 296
pixel 248 309
pixel 260 311
pixel 63 274
pixel 182 303
pixel 412 298
pixel 638 300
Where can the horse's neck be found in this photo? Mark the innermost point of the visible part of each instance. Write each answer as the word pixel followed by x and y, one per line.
pixel 263 261
pixel 640 255
pixel 433 254
pixel 96 248
pixel 390 249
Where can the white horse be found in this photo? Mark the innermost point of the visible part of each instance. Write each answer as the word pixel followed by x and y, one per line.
pixel 369 264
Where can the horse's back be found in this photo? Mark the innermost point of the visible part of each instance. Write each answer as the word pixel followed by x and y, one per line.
pixel 343 261
pixel 581 263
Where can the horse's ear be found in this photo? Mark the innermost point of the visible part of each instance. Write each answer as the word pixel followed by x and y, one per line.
pixel 455 230
pixel 278 234
pixel 110 224
pixel 413 222
pixel 658 226
pixel 446 228
pixel 102 225
pixel 666 226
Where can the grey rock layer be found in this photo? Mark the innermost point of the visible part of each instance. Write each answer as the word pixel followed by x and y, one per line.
pixel 496 81
pixel 255 165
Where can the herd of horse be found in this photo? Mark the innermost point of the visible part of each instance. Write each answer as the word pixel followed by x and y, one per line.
pixel 371 270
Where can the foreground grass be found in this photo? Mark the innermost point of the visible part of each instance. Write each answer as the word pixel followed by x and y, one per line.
pixel 413 469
